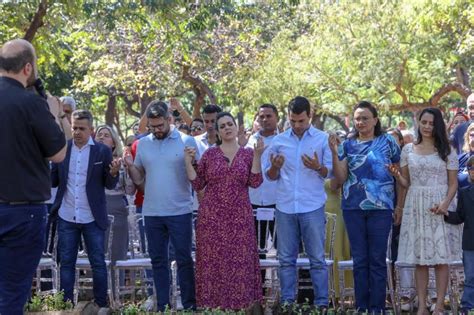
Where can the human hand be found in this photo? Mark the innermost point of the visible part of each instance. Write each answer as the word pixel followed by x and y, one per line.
pixel 333 142
pixel 394 170
pixel 311 163
pixel 127 157
pixel 397 216
pixel 441 208
pixel 259 147
pixel 175 104
pixel 189 155
pixel 115 166
pixel 277 160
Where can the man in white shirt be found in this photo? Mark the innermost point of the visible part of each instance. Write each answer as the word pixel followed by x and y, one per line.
pixel 299 160
pixel 80 203
pixel 263 198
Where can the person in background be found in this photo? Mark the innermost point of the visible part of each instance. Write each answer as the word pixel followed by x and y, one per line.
pixel 467 152
pixel 458 119
pixel 465 214
pixel 185 129
pixel 30 138
pixel 408 137
pixel 402 125
pixel 116 202
pixel 68 105
pixel 197 127
pixel 368 200
pixel 264 197
pixel 208 139
pixel 129 141
pixel 457 137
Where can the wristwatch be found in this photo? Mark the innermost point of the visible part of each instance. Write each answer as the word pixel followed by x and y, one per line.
pixel 319 168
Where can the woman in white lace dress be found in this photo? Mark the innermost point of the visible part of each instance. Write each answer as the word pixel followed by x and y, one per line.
pixel 428 170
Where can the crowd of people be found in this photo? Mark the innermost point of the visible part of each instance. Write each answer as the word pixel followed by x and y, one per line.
pixel 416 186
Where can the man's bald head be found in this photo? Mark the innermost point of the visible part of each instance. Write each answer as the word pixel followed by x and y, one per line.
pixel 15 55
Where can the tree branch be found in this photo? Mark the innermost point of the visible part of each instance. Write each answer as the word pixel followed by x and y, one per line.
pixel 199 87
pixel 37 21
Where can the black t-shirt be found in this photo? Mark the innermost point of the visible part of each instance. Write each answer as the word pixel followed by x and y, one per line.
pixel 28 135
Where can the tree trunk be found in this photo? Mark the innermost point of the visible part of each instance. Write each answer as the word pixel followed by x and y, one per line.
pixel 111 111
pixel 201 90
pixel 37 21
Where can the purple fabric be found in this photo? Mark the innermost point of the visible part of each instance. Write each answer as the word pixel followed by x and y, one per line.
pixel 227 263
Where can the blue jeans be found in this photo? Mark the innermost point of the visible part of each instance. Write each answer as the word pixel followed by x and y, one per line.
pixel 311 228
pixel 160 231
pixel 368 232
pixel 69 235
pixel 467 300
pixel 22 239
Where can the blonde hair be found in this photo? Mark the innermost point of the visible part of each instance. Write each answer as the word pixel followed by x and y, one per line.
pixel 466 147
pixel 117 151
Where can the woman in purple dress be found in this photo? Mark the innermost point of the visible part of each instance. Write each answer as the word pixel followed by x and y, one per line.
pixel 227 263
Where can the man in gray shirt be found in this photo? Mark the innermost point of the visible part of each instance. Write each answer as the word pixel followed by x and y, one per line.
pixel 159 168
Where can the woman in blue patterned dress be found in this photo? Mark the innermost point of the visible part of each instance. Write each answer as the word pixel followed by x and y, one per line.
pixel 368 196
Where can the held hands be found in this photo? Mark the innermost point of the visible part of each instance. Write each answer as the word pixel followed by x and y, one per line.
pixel 441 208
pixel 259 147
pixel 277 161
pixel 115 166
pixel 394 170
pixel 311 163
pixel 189 155
pixel 175 104
pixel 127 157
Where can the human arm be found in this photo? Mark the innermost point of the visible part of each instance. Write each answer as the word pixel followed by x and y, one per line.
pixel 459 216
pixel 136 173
pixel 443 206
pixel 175 104
pixel 196 172
pixel 110 168
pixel 339 168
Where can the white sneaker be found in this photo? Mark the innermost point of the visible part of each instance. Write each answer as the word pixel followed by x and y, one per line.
pixel 148 305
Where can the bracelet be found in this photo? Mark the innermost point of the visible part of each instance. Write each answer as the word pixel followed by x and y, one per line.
pixel 319 168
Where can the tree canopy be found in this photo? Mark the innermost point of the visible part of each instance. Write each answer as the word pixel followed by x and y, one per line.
pixel 115 57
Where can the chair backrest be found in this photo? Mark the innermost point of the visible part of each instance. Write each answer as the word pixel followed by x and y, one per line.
pixel 137 244
pixel 265 229
pixel 331 220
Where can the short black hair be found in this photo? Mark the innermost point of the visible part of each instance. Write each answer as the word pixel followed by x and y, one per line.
pixel 211 109
pixel 157 109
pixel 198 120
pixel 268 105
pixel 298 105
pixel 16 62
pixel 80 114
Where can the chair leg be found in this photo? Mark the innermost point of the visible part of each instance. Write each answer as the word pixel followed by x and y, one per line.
pixel 110 288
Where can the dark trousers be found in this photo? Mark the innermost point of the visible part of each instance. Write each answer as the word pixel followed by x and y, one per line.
pixel 160 231
pixel 22 239
pixel 69 236
pixel 368 232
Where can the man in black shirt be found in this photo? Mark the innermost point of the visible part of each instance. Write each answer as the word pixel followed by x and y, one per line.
pixel 30 137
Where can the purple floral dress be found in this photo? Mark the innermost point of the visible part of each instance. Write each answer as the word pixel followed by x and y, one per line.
pixel 227 263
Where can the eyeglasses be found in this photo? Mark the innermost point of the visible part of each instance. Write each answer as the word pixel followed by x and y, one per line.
pixel 196 128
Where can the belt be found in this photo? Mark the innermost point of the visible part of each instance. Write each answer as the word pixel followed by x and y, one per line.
pixel 18 203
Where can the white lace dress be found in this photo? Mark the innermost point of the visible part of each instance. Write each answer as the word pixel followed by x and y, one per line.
pixel 425 239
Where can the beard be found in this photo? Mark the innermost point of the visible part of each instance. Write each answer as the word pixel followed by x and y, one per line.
pixel 31 79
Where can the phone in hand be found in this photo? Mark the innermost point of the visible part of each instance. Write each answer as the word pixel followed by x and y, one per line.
pixel 240 118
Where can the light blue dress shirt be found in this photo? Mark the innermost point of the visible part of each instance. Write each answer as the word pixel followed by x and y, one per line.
pixel 300 189
pixel 167 188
